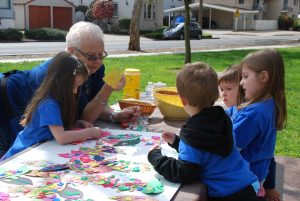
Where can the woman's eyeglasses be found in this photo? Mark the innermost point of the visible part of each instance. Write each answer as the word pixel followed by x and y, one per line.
pixel 91 57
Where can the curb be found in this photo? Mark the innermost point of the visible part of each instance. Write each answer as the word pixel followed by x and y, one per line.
pixel 28 59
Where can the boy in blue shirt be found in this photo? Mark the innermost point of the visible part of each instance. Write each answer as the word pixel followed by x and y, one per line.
pixel 206 146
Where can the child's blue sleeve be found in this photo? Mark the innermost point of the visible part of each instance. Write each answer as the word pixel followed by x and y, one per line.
pixel 50 113
pixel 245 130
pixel 190 154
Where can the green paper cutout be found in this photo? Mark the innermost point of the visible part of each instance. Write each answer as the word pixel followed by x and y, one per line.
pixel 153 187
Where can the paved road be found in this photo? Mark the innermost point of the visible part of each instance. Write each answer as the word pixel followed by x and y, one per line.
pixel 116 43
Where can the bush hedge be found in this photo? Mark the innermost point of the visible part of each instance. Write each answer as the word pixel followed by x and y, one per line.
pixel 81 8
pixel 124 25
pixel 11 35
pixel 296 25
pixel 46 34
pixel 285 22
pixel 157 34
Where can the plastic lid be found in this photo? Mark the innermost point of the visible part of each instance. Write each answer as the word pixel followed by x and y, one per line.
pixel 132 71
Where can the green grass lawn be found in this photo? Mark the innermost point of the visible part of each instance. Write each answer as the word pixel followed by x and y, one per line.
pixel 164 67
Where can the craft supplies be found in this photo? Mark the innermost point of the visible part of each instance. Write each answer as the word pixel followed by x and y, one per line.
pixel 96 163
pixel 113 77
pixel 133 82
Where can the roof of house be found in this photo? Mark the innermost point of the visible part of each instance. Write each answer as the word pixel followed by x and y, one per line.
pixel 214 6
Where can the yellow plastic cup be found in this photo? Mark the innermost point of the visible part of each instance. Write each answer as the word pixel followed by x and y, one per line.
pixel 133 83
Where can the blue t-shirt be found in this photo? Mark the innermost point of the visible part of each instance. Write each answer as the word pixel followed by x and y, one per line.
pixel 37 130
pixel 254 128
pixel 223 176
pixel 22 85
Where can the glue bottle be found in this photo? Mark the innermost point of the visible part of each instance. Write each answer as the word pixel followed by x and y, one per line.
pixel 133 82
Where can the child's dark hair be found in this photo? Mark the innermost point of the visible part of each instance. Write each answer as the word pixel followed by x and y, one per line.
pixel 59 84
pixel 271 61
pixel 198 83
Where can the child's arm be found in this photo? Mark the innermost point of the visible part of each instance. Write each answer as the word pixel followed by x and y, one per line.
pixel 65 137
pixel 172 169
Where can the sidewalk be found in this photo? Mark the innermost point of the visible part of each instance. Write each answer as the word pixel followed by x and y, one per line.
pixel 287 178
pixel 216 32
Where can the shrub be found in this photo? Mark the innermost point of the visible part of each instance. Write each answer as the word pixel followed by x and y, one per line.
pixel 81 8
pixel 157 34
pixel 124 25
pixel 296 25
pixel 11 35
pixel 46 34
pixel 285 22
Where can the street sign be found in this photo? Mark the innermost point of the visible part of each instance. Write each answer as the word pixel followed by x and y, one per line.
pixel 237 13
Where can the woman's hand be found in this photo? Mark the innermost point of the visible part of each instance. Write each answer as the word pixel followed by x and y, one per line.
pixel 169 137
pixel 121 84
pixel 128 114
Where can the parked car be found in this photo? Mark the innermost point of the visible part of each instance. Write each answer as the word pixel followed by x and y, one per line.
pixel 205 23
pixel 177 31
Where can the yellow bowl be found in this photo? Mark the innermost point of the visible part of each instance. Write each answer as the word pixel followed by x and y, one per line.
pixel 169 103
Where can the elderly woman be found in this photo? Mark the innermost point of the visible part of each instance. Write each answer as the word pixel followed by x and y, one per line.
pixel 85 41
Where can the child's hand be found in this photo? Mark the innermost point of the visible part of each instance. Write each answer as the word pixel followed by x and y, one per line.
pixel 155 146
pixel 95 132
pixel 169 137
pixel 272 195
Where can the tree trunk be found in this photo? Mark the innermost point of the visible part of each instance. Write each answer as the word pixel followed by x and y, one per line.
pixel 134 30
pixel 188 56
pixel 200 13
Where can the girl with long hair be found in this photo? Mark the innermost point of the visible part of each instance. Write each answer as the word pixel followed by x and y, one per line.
pixel 256 120
pixel 52 112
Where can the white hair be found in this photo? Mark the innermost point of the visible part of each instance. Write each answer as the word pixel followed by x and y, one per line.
pixel 80 31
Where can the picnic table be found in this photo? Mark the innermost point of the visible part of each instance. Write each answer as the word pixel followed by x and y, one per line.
pixel 157 123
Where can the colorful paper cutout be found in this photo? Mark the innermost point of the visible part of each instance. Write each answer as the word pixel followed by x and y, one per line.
pixel 113 77
pixel 153 187
pixel 71 193
pixel 122 139
pixel 132 198
pixel 55 167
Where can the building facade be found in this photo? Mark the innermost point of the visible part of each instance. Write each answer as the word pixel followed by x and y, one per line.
pixel 244 14
pixel 34 14
pixel 6 14
pixel 151 15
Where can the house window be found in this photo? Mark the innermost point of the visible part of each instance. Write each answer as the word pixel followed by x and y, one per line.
pixel 5 4
pixel 295 2
pixel 241 1
pixel 115 13
pixel 149 11
pixel 285 4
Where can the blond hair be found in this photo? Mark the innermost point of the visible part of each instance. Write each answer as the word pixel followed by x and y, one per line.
pixel 271 61
pixel 198 83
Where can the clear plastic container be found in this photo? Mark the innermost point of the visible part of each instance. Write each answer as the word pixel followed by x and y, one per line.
pixel 149 91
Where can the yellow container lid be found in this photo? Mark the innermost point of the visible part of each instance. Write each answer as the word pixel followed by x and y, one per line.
pixel 132 71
